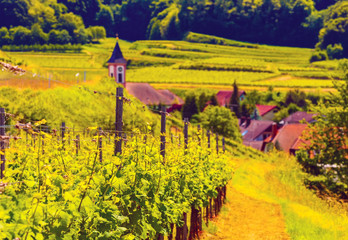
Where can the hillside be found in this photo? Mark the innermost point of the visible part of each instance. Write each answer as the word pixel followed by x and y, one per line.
pixel 275 204
pixel 266 189
pixel 195 62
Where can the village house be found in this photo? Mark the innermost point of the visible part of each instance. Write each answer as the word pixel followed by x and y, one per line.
pixel 254 132
pixel 287 139
pixel 143 91
pixel 266 112
pixel 297 117
pixel 223 97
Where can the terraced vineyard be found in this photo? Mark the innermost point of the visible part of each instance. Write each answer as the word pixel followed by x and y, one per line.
pixel 188 63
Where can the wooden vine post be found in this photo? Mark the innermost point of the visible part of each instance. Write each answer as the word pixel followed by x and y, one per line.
pixel 198 134
pixel 77 142
pixel 2 143
pixel 217 143
pixel 119 122
pixel 62 133
pixel 223 144
pixel 208 136
pixel 100 144
pixel 163 131
pixel 186 132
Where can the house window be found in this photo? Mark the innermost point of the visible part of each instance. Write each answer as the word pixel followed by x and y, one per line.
pixel 119 79
pixel 120 74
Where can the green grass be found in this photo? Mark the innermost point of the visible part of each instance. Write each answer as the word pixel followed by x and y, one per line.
pixel 277 178
pixel 195 62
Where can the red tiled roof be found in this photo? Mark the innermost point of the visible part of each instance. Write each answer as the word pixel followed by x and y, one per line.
pixel 223 97
pixel 288 135
pixel 150 96
pixel 298 116
pixel 171 96
pixel 300 143
pixel 254 129
pixel 263 109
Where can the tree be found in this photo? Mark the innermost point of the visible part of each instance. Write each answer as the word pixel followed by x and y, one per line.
pixel 14 13
pixel 21 36
pixel 328 150
pixel 4 36
pixel 38 34
pixel 97 32
pixel 87 9
pixel 80 35
pixel 59 37
pixel 335 30
pixel 297 97
pixel 190 107
pixel 234 101
pixel 105 17
pixel 202 101
pixel 221 121
pixel 213 100
pixel 70 22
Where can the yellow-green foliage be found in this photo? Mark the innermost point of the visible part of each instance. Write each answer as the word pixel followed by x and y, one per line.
pixel 53 193
pixel 77 106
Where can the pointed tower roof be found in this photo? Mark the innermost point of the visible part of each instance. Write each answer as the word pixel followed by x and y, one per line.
pixel 117 56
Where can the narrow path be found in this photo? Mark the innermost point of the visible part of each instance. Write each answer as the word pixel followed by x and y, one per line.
pixel 248 218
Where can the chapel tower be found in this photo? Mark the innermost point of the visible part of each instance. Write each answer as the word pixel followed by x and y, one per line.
pixel 117 65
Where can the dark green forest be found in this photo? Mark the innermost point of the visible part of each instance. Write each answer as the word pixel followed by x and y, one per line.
pixel 301 23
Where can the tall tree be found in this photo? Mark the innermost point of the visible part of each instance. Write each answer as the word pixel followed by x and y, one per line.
pixel 190 107
pixel 234 101
pixel 221 121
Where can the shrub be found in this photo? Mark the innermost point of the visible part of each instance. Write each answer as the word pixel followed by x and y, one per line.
pixel 335 52
pixel 318 56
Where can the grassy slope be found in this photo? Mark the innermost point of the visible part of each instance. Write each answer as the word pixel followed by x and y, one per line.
pixel 277 179
pixel 79 107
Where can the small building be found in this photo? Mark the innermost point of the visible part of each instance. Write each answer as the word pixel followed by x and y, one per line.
pixel 266 112
pixel 117 65
pixel 143 91
pixel 150 96
pixel 223 97
pixel 255 132
pixel 297 117
pixel 287 137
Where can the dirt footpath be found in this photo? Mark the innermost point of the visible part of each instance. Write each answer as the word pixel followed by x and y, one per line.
pixel 248 218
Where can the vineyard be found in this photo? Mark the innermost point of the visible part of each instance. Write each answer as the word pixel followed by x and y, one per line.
pixel 59 185
pixel 190 62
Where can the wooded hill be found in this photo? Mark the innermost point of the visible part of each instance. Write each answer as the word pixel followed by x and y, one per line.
pixel 302 23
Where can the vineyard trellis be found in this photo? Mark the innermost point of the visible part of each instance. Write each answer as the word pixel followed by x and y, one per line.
pixel 101 139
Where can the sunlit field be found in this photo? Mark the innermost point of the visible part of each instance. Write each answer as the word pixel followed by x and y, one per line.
pixel 187 63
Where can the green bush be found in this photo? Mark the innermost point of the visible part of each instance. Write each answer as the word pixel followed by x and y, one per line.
pixel 335 51
pixel 318 56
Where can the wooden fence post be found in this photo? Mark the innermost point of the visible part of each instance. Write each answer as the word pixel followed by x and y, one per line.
pixel 77 144
pixel 208 135
pixel 217 143
pixel 186 132
pixel 62 129
pixel 223 144
pixel 163 131
pixel 43 144
pixel 2 143
pixel 100 145
pixel 198 134
pixel 119 122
